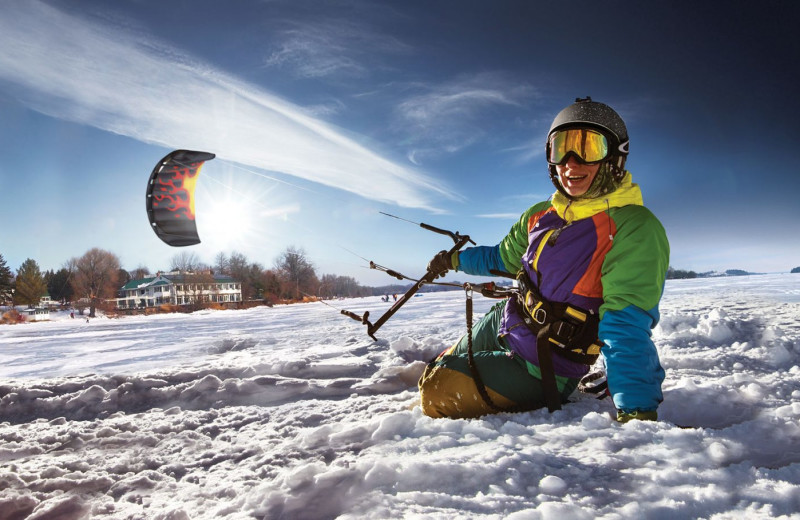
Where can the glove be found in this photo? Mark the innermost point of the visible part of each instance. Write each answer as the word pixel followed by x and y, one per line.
pixel 595 383
pixel 623 417
pixel 441 263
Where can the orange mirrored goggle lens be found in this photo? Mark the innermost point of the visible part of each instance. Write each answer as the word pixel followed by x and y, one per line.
pixel 587 145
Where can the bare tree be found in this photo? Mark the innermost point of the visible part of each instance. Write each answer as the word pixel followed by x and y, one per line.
pixel 185 262
pixel 123 277
pixel 237 263
pixel 140 272
pixel 242 271
pixel 296 272
pixel 95 277
pixel 221 264
pixel 332 285
pixel 270 285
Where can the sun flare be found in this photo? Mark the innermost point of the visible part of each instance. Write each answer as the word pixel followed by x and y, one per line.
pixel 237 213
pixel 226 220
pixel 225 215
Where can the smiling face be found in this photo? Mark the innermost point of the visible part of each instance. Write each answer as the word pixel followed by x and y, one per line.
pixel 576 177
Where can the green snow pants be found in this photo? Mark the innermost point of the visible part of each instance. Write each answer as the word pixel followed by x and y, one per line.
pixel 447 387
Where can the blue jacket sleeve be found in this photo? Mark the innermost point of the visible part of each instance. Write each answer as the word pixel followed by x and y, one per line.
pixel 480 260
pixel 634 372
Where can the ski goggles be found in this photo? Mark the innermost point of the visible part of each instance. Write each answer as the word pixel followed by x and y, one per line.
pixel 588 146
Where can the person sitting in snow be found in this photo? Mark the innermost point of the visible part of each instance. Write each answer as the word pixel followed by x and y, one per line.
pixel 591 264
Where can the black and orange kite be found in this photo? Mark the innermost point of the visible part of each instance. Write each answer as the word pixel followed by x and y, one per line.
pixel 170 196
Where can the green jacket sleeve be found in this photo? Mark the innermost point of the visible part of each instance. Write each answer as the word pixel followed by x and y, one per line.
pixel 635 268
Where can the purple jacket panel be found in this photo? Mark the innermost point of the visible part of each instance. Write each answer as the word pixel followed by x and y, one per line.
pixel 560 266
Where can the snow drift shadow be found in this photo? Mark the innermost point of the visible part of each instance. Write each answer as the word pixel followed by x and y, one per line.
pixel 193 388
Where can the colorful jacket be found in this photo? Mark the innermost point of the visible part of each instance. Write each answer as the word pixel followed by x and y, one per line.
pixel 606 255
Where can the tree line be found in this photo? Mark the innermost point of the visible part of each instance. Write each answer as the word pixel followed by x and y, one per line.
pixel 679 274
pixel 88 281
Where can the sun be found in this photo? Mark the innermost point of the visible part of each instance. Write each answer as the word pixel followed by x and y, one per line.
pixel 226 220
pixel 237 212
pixel 225 216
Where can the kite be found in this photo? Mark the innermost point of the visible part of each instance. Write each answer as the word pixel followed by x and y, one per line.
pixel 170 197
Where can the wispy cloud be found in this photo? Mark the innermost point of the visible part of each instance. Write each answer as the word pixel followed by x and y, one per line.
pixel 333 47
pixel 94 74
pixel 449 117
pixel 526 152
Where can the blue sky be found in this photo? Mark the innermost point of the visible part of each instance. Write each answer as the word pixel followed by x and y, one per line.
pixel 324 113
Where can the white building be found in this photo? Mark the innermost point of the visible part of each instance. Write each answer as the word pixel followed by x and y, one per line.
pixel 47 301
pixel 179 289
pixel 37 314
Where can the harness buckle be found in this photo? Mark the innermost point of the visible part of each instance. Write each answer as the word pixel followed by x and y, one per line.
pixel 539 315
pixel 564 330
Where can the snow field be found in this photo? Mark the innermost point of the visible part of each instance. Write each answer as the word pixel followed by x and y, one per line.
pixel 293 412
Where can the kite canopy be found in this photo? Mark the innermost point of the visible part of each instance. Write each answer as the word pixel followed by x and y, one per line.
pixel 170 197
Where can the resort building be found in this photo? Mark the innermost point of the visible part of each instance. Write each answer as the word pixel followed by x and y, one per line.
pixel 179 289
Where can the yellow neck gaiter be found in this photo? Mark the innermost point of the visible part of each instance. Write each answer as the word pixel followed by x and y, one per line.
pixel 627 193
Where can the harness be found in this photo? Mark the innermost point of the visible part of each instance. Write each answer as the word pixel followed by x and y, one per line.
pixel 570 328
pixel 560 328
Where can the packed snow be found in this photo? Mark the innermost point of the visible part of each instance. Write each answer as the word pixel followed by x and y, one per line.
pixel 293 412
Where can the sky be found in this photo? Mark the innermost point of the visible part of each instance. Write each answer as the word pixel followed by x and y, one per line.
pixel 324 114
pixel 293 412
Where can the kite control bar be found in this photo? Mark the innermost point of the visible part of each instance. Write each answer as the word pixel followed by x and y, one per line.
pixel 459 241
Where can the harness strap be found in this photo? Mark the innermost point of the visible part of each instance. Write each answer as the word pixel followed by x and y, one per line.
pixel 568 331
pixel 552 397
pixel 476 376
pixel 473 368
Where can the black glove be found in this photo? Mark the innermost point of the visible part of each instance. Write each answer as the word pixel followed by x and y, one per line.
pixel 594 383
pixel 441 263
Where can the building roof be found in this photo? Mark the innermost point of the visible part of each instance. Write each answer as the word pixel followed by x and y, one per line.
pixel 136 284
pixel 176 278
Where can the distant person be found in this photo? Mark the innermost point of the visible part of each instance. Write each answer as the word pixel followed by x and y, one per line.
pixel 591 263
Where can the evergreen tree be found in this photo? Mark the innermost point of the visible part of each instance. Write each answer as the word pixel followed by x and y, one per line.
pixel 673 274
pixel 6 280
pixel 30 284
pixel 59 287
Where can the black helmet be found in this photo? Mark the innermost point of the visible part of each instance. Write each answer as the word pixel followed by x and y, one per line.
pixel 587 113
